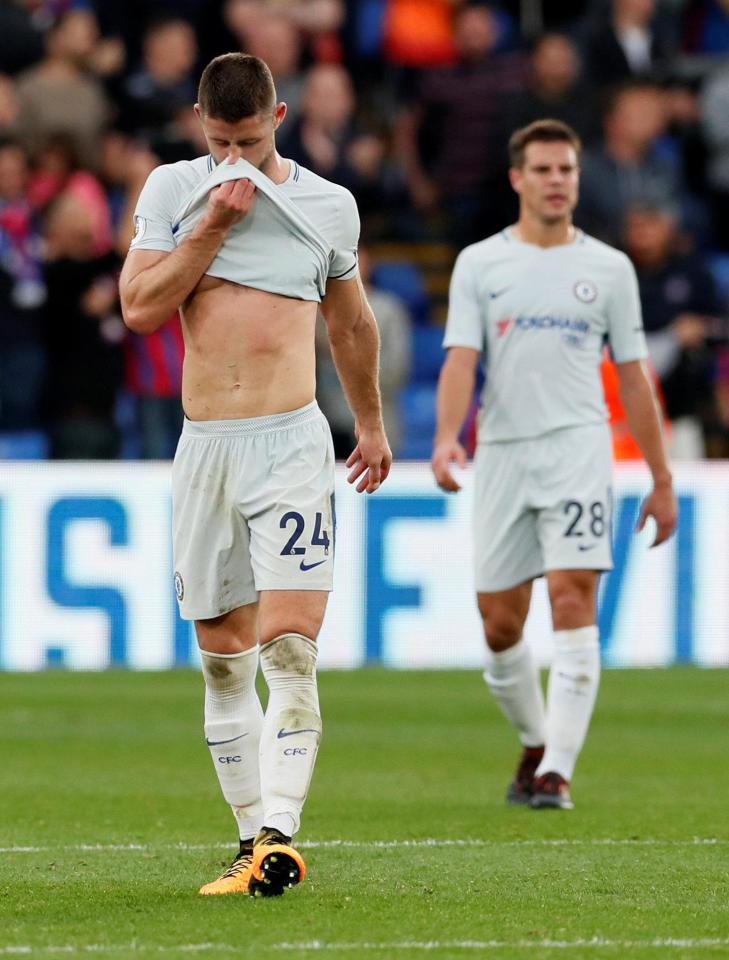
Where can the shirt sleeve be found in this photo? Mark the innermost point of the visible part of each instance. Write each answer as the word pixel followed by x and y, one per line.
pixel 464 326
pixel 343 264
pixel 154 213
pixel 625 319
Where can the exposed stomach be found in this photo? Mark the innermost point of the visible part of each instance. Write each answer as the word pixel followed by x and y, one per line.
pixel 248 353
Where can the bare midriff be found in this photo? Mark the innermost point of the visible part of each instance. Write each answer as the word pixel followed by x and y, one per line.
pixel 248 353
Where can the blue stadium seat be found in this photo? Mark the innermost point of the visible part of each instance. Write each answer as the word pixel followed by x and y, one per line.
pixel 719 267
pixel 369 18
pixel 417 418
pixel 406 281
pixel 24 445
pixel 428 354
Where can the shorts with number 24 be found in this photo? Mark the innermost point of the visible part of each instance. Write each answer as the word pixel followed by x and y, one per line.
pixel 252 509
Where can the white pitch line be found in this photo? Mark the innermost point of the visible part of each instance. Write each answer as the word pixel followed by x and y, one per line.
pixel 381 844
pixel 432 945
pixel 318 946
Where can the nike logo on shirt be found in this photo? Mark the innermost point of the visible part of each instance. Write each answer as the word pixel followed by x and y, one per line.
pixel 310 566
pixel 497 293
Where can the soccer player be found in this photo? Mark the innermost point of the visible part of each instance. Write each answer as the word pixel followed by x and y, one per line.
pixel 536 302
pixel 247 244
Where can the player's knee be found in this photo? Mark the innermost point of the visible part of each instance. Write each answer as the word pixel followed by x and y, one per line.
pixel 502 628
pixel 289 653
pixel 303 623
pixel 223 641
pixel 572 606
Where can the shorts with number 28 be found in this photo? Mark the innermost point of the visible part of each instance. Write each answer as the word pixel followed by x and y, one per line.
pixel 542 504
pixel 252 509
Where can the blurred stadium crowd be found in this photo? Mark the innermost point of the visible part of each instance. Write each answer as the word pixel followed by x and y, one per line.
pixel 408 103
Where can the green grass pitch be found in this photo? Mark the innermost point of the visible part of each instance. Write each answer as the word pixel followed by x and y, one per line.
pixel 110 819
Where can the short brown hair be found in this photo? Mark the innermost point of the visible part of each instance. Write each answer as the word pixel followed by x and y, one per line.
pixel 541 131
pixel 234 86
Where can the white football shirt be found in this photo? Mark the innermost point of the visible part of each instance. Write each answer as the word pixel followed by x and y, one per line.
pixel 268 262
pixel 540 317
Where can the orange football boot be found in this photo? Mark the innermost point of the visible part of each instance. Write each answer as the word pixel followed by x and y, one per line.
pixel 276 864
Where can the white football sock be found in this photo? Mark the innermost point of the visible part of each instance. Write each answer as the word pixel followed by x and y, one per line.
pixel 513 678
pixel 291 729
pixel 573 681
pixel 233 722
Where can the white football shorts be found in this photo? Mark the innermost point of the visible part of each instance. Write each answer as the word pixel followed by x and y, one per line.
pixel 542 504
pixel 252 509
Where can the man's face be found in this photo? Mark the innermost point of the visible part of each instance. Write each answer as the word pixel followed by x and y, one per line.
pixel 548 181
pixel 649 236
pixel 251 138
pixel 638 117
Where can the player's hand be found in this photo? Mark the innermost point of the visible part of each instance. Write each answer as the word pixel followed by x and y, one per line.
pixel 445 453
pixel 661 505
pixel 370 461
pixel 229 203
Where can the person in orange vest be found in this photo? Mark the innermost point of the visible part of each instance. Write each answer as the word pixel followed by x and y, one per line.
pixel 625 446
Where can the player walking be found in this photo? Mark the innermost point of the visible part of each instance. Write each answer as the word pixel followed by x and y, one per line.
pixel 536 301
pixel 247 243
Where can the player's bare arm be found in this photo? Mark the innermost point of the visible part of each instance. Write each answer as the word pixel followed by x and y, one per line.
pixel 455 391
pixel 639 401
pixel 154 284
pixel 355 345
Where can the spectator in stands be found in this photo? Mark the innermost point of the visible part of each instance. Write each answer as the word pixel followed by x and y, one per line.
pixel 8 106
pixel 60 94
pixel 319 21
pixel 449 139
pixel 393 323
pixel 22 295
pixel 184 139
pixel 84 332
pixel 21 38
pixel 153 362
pixel 680 309
pixel 164 82
pixel 327 139
pixel 633 40
pixel 58 171
pixel 276 39
pixel 555 88
pixel 715 126
pixel 627 166
pixel 683 105
pixel 548 15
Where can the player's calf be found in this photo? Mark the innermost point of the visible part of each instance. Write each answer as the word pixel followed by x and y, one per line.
pixel 291 730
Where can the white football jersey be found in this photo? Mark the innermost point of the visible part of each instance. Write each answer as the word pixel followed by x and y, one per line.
pixel 257 252
pixel 540 317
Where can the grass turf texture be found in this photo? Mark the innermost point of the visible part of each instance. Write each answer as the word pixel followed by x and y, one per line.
pixel 119 758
